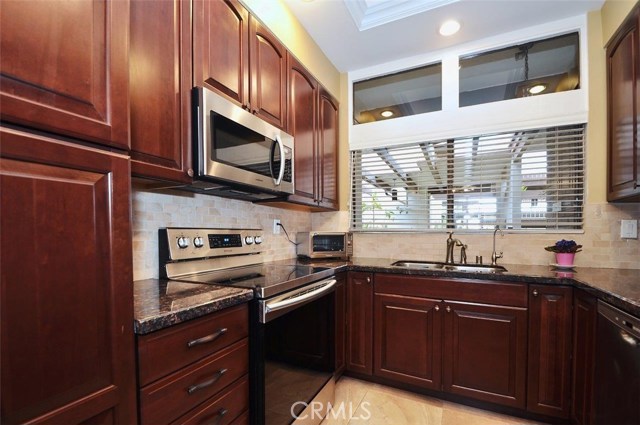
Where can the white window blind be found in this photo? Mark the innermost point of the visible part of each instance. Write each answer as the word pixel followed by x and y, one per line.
pixel 527 180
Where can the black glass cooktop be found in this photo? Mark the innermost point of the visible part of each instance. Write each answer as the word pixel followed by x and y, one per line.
pixel 265 279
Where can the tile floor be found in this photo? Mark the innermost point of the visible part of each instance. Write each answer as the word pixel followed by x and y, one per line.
pixel 366 403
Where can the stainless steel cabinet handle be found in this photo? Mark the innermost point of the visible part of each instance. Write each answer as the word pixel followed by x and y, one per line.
pixel 368 280
pixel 207 338
pixel 219 416
pixel 192 389
pixel 437 308
pixel 535 292
pixel 448 309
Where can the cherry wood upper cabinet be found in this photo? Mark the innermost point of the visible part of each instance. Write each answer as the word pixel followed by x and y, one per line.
pixel 268 59
pixel 161 82
pixel 238 57
pixel 63 68
pixel 221 48
pixel 550 342
pixel 360 323
pixel 328 150
pixel 623 91
pixel 313 122
pixel 303 92
pixel 67 352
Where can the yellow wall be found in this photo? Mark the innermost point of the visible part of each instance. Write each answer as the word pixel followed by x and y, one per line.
pixel 596 148
pixel 279 19
pixel 613 13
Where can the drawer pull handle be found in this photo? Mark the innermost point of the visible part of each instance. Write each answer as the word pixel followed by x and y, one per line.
pixel 192 389
pixel 207 338
pixel 219 416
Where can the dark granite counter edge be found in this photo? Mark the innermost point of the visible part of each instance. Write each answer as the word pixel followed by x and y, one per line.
pixel 627 305
pixel 156 323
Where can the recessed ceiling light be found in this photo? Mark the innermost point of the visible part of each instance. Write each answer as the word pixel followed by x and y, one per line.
pixel 538 88
pixel 387 113
pixel 449 28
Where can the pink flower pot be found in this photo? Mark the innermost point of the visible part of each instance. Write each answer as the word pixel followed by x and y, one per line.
pixel 565 259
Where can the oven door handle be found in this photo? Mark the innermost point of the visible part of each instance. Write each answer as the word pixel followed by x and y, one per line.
pixel 322 288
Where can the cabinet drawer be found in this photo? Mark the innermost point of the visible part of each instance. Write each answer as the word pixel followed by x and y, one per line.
pixel 220 410
pixel 168 398
pixel 170 349
pixel 470 290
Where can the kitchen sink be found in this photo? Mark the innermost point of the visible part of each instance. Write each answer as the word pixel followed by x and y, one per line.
pixel 430 265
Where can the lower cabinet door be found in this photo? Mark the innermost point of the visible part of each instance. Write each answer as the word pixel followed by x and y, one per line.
pixel 407 340
pixel 550 324
pixel 485 352
pixel 66 306
pixel 360 323
pixel 584 340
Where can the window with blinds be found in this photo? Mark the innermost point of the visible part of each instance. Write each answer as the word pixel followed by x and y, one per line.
pixel 522 180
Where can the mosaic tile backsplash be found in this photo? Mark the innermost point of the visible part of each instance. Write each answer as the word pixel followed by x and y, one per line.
pixel 153 210
pixel 602 246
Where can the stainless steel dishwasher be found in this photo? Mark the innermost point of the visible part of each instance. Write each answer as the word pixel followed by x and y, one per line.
pixel 617 374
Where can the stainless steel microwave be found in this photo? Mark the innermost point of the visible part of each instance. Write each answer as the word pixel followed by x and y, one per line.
pixel 239 151
pixel 325 244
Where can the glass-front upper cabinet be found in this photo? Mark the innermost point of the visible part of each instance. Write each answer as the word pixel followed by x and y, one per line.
pixel 410 92
pixel 534 68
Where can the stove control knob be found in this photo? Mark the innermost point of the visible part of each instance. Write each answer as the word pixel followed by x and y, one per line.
pixel 183 242
pixel 258 240
pixel 248 240
pixel 198 242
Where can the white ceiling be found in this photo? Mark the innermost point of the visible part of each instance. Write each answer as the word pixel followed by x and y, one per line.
pixel 403 28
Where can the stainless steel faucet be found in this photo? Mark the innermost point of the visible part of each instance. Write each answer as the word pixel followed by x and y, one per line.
pixel 451 244
pixel 494 255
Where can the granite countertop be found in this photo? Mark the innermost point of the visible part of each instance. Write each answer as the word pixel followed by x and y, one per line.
pixel 162 303
pixel 158 303
pixel 619 287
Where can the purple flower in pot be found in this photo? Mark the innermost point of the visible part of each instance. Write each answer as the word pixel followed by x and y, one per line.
pixel 565 251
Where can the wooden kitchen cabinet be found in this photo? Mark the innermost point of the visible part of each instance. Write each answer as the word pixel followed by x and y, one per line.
pixel 341 323
pixel 485 352
pixel 328 143
pixel 360 323
pixel 303 92
pixel 550 347
pixel 623 95
pixel 268 61
pixel 67 344
pixel 64 68
pixel 237 56
pixel 408 340
pixel 585 313
pixel 464 337
pixel 186 377
pixel 160 89
pixel 313 122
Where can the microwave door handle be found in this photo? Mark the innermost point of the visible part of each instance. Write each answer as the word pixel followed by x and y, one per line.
pixel 282 161
pixel 277 141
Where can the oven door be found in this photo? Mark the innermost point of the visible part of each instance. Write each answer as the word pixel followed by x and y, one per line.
pixel 238 147
pixel 293 352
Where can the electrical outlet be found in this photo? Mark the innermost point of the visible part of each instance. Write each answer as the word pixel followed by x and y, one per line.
pixel 276 226
pixel 629 229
